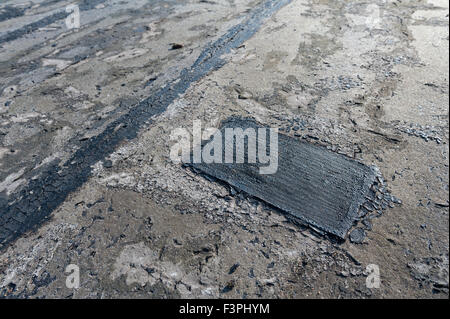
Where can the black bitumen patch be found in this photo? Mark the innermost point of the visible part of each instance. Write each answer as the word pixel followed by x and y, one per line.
pixel 321 188
pixel 35 202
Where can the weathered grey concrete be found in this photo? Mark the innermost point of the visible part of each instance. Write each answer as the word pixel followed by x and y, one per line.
pixel 367 80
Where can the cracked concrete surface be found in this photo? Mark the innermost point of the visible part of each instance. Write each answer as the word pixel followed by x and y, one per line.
pixel 365 79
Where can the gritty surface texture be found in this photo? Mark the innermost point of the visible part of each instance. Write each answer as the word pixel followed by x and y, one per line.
pixel 365 80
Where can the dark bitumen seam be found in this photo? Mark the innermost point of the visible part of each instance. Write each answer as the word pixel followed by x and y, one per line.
pixel 9 12
pixel 34 203
pixel 29 28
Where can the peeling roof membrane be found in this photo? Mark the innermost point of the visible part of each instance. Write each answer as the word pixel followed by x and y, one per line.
pixel 321 188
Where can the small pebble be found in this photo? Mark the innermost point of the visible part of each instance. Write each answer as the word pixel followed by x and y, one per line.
pixel 357 235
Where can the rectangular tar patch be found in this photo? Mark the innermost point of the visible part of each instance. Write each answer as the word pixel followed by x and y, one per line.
pixel 321 188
